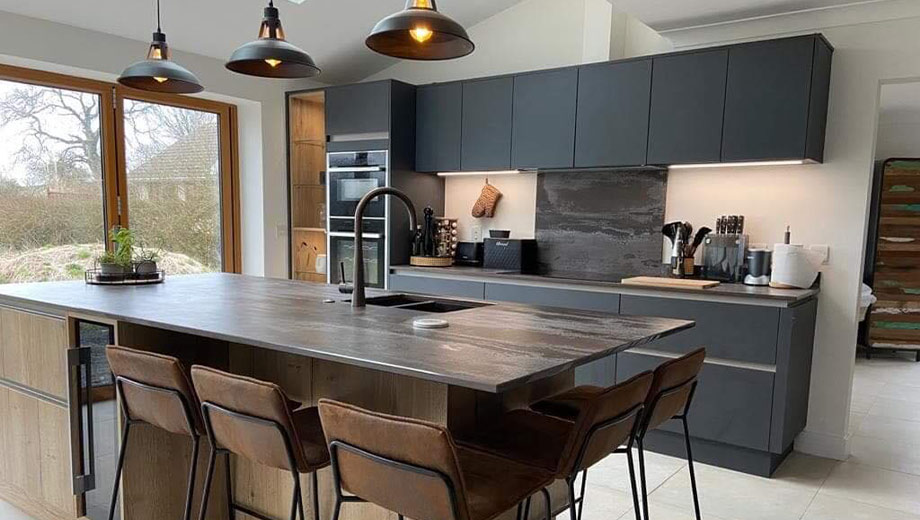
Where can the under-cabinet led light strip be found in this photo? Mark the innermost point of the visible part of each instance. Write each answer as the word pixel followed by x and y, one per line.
pixel 736 164
pixel 499 172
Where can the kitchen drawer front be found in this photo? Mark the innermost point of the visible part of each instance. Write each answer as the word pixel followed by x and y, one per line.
pixel 33 351
pixel 728 331
pixel 551 297
pixel 731 404
pixel 437 286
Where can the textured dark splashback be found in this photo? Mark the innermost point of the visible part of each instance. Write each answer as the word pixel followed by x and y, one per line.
pixel 601 223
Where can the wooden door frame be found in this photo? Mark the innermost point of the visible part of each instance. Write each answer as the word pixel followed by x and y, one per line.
pixel 115 203
pixel 231 252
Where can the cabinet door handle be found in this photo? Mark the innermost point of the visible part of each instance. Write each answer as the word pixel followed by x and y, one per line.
pixel 83 457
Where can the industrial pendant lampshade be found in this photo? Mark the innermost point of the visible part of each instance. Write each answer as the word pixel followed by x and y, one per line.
pixel 157 73
pixel 270 56
pixel 420 32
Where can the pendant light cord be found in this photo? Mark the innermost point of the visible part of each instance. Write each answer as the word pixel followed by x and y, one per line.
pixel 158 16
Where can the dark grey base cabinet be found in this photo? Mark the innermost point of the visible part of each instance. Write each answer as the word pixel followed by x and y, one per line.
pixel 752 399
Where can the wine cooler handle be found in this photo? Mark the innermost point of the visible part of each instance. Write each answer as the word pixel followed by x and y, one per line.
pixel 81 382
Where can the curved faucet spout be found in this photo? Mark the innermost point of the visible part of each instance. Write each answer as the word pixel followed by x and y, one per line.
pixel 358 298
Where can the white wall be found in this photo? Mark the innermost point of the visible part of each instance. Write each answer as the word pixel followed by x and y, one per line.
pixel 898 122
pixel 54 47
pixel 515 210
pixel 823 203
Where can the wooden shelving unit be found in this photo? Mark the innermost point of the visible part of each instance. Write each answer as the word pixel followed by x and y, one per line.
pixel 308 184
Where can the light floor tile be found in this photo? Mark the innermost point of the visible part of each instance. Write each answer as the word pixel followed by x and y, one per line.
pixel 805 471
pixel 604 503
pixel 900 456
pixel 861 403
pixel 736 496
pixel 875 486
pixel 856 420
pixel 613 471
pixel 901 391
pixel 9 512
pixel 895 409
pixel 827 507
pixel 895 430
pixel 664 512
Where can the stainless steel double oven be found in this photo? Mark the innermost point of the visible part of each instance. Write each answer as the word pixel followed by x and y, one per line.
pixel 350 176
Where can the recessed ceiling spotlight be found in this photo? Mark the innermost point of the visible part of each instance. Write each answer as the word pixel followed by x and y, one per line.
pixel 298 2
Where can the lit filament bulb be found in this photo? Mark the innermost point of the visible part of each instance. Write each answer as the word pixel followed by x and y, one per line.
pixel 160 80
pixel 273 63
pixel 421 34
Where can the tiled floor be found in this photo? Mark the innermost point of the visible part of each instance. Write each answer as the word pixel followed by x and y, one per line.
pixel 880 481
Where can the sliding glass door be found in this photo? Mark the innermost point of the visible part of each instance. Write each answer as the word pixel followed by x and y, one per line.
pixel 80 156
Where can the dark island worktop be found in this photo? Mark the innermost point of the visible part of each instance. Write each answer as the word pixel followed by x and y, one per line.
pixel 493 348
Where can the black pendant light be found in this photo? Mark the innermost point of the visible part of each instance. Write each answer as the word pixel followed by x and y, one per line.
pixel 420 32
pixel 157 73
pixel 271 56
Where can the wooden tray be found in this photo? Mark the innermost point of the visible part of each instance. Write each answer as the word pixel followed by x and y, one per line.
pixel 681 283
pixel 431 261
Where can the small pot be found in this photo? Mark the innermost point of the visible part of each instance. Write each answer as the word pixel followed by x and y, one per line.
pixel 145 267
pixel 499 233
pixel 112 269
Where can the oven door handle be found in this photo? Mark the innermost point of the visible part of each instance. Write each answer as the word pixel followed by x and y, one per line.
pixel 339 169
pixel 347 234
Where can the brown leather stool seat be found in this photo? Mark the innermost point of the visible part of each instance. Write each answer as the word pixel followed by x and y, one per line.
pixel 154 389
pixel 606 420
pixel 669 397
pixel 253 419
pixel 415 469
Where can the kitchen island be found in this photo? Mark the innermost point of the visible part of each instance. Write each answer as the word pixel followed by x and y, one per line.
pixel 305 337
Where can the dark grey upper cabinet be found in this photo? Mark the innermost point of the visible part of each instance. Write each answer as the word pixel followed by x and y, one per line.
pixel 361 108
pixel 486 124
pixel 437 127
pixel 768 100
pixel 612 124
pixel 543 133
pixel 688 98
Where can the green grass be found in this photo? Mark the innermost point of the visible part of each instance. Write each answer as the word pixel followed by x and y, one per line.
pixel 74 270
pixel 83 254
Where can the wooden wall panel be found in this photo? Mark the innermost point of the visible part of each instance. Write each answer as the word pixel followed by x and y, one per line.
pixel 33 348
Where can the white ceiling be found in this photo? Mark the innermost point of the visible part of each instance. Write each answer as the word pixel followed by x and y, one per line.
pixel 663 15
pixel 331 31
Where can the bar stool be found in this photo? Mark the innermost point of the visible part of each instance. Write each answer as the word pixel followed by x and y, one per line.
pixel 415 469
pixel 154 389
pixel 607 419
pixel 669 397
pixel 253 419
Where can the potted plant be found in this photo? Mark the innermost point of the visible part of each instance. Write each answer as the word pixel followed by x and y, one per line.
pixel 108 265
pixel 121 260
pixel 145 262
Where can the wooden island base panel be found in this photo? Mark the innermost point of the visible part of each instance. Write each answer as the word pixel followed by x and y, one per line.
pixel 491 359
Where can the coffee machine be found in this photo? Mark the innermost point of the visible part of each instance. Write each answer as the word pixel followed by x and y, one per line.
pixel 759 261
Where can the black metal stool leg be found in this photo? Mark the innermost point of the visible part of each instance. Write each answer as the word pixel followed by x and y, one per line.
pixel 696 498
pixel 193 466
pixel 231 510
pixel 581 500
pixel 315 483
pixel 336 508
pixel 206 492
pixel 642 478
pixel 118 468
pixel 294 500
pixel 298 494
pixel 571 485
pixel 632 483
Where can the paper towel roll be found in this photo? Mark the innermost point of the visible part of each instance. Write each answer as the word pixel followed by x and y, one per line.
pixel 794 266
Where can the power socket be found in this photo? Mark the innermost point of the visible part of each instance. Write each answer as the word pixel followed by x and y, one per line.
pixel 823 249
pixel 477 233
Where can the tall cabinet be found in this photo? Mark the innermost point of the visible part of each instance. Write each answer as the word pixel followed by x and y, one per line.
pixel 307 148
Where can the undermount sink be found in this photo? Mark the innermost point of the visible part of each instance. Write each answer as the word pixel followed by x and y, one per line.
pixel 423 303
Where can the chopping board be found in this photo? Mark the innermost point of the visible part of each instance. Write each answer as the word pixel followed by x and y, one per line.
pixel 680 283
